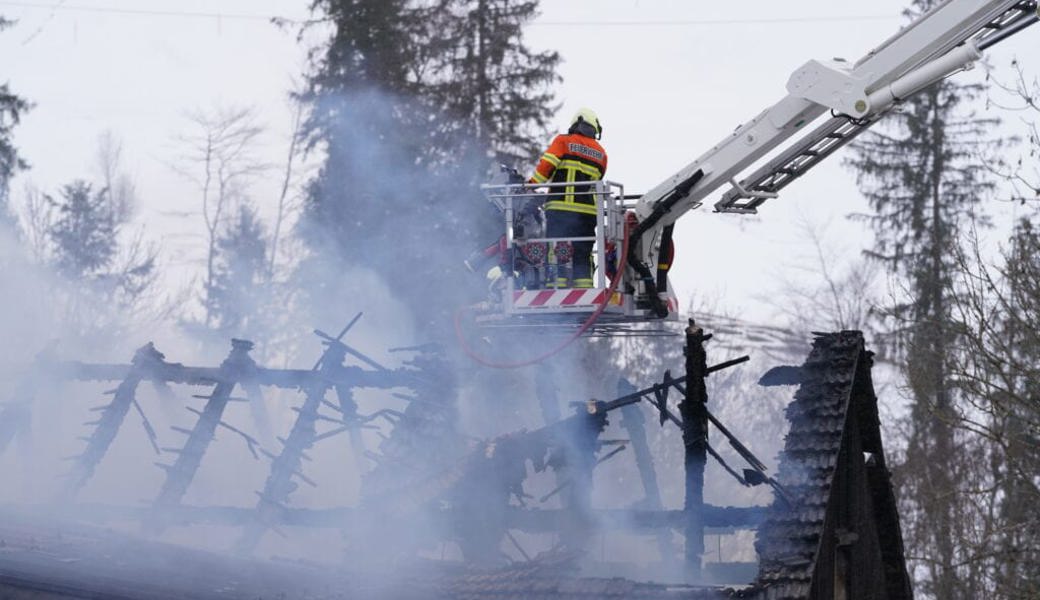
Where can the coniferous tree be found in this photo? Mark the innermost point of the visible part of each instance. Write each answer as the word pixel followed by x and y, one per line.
pixel 496 92
pixel 220 159
pixel 11 109
pixel 397 192
pixel 83 234
pixel 84 248
pixel 361 113
pixel 922 177
pixel 238 292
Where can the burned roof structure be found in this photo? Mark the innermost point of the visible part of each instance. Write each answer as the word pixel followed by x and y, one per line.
pixel 839 536
pixel 834 530
pixel 831 531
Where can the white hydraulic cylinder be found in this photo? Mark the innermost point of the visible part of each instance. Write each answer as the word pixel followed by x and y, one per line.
pixel 934 44
pixel 960 58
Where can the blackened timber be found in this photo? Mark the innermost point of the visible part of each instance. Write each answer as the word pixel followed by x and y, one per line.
pixel 258 411
pixel 577 462
pixel 882 494
pixel 693 411
pixel 659 391
pixel 112 416
pixel 837 534
pixel 634 423
pixel 177 373
pixel 737 445
pixel 15 418
pixel 583 426
pixel 348 410
pixel 16 415
pixel 430 420
pixel 717 519
pixel 559 488
pixel 280 378
pixel 480 482
pixel 727 364
pixel 289 462
pixel 236 367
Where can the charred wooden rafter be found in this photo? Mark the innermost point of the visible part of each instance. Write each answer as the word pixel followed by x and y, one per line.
pixel 106 427
pixel 287 466
pixel 238 366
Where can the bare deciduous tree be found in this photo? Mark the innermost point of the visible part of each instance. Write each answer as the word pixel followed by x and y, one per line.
pixel 997 372
pixel 841 294
pixel 122 192
pixel 220 158
pixel 37 219
pixel 286 196
pixel 1021 95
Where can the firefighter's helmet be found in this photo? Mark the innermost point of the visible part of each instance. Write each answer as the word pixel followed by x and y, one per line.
pixel 587 116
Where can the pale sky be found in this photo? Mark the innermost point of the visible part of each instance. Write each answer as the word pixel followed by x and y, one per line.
pixel 669 79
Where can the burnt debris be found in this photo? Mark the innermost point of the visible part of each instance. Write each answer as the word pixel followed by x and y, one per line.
pixel 427 484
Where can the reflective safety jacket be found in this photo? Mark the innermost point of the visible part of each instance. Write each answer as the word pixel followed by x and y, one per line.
pixel 571 158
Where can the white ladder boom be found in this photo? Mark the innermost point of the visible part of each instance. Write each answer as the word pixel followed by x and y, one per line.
pixel 945 40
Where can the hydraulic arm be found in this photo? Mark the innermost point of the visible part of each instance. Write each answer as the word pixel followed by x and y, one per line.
pixel 828 104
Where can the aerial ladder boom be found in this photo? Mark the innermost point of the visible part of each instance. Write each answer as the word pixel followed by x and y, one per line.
pixel 851 97
pixel 828 103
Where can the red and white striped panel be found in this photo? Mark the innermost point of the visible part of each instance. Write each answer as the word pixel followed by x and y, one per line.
pixel 562 298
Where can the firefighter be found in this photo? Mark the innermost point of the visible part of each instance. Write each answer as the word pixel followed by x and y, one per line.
pixel 573 158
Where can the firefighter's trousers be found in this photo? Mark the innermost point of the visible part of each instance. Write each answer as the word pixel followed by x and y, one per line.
pixel 567 224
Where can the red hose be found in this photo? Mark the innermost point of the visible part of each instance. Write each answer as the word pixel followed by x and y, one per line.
pixel 623 263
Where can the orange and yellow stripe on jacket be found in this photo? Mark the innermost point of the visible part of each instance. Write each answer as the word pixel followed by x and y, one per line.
pixel 571 159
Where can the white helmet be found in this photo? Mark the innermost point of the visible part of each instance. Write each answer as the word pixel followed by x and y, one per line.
pixel 587 115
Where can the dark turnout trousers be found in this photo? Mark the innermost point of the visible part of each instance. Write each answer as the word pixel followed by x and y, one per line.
pixel 568 224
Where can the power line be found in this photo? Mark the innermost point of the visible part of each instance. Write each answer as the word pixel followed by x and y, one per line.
pixel 40 28
pixel 700 22
pixel 261 17
pixel 141 11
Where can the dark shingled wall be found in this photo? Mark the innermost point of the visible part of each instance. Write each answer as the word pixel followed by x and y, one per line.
pixel 840 536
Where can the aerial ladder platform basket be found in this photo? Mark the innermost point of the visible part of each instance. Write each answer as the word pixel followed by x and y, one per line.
pixel 528 295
